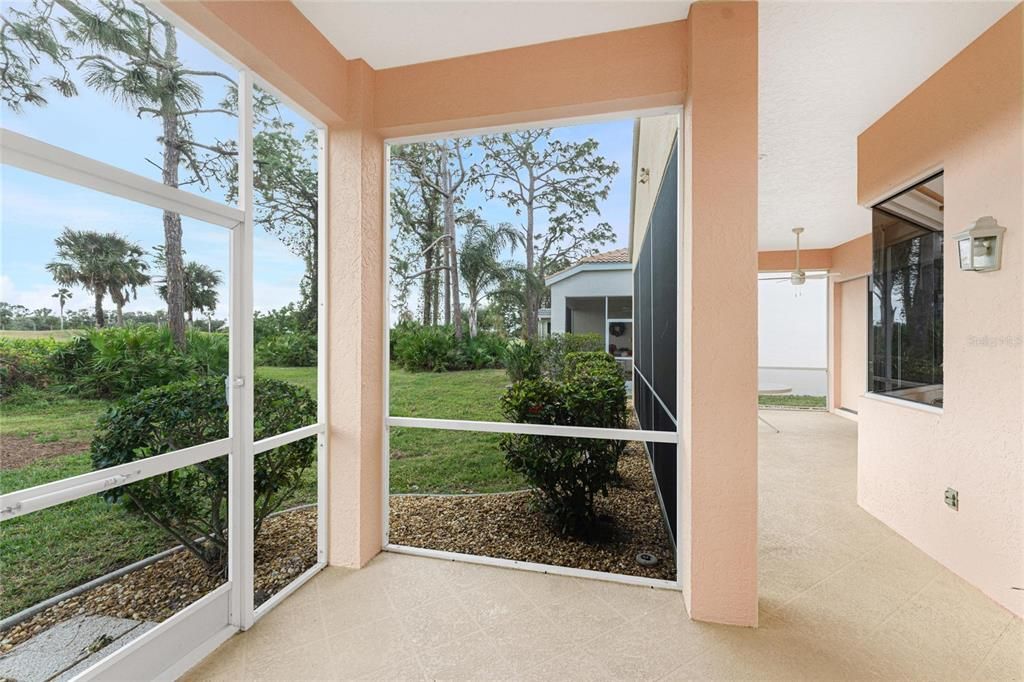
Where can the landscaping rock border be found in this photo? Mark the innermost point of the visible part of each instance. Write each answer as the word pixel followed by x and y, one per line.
pixel 285 549
pixel 509 526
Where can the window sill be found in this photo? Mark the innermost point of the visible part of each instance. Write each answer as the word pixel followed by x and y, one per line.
pixel 903 402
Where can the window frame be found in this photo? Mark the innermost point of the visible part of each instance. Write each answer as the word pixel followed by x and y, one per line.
pixel 871 376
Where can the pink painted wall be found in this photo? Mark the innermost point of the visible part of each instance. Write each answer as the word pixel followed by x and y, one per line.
pixel 966 119
pixel 849 326
pixel 718 455
pixel 618 71
pixel 785 260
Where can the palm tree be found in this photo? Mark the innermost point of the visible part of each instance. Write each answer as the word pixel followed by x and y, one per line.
pixel 478 262
pixel 90 260
pixel 134 59
pixel 126 276
pixel 201 282
pixel 63 295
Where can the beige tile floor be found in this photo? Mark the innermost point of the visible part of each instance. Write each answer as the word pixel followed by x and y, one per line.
pixel 842 597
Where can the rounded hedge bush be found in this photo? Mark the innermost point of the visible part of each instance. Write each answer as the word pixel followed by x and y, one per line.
pixel 568 473
pixel 191 503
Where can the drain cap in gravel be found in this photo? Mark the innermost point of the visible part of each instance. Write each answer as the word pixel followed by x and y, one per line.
pixel 646 559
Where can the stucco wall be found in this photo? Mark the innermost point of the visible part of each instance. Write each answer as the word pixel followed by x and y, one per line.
pixel 718 256
pixel 967 120
pixel 586 284
pixel 849 324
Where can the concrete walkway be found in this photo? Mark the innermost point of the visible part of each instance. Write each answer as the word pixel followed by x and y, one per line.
pixel 69 647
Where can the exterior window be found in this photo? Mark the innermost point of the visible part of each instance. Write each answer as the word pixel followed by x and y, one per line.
pixel 905 343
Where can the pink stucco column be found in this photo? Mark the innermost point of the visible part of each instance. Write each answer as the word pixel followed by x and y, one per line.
pixel 718 452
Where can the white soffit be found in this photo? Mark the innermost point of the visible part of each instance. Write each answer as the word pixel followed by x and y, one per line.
pixel 387 33
pixel 828 70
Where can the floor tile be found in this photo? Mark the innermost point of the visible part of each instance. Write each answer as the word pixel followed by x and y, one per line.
pixel 842 597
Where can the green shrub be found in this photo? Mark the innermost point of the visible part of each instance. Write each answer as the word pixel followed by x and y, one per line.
pixel 532 359
pixel 524 359
pixel 557 347
pixel 420 348
pixel 289 349
pixel 568 473
pixel 126 360
pixel 430 349
pixel 191 503
pixel 484 351
pixel 26 362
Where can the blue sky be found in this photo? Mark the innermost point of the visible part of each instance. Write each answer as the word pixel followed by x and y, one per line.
pixel 34 209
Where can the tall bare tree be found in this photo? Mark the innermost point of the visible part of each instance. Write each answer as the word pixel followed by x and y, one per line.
pixel 555 186
pixel 441 167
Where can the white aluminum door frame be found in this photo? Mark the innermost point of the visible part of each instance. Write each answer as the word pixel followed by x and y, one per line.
pixel 172 646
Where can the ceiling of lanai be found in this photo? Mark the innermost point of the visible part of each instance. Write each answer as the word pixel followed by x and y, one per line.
pixel 827 71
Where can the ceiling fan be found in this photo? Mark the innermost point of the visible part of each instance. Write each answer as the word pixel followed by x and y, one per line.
pixel 797 277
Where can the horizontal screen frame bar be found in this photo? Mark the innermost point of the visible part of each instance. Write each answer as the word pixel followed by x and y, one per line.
pixel 535 429
pixel 35 156
pixel 37 498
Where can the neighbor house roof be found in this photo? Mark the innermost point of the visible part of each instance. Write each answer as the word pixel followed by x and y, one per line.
pixel 616 259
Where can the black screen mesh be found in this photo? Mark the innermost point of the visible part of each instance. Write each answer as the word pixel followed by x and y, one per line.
pixel 654 324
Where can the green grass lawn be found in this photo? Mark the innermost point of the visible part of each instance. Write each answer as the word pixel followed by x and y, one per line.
pixel 49 551
pixel 86 538
pixel 792 400
pixel 428 461
pixel 52 419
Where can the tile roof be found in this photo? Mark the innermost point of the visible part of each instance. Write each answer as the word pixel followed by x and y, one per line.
pixel 614 256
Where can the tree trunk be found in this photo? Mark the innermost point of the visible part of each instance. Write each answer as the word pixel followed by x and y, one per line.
pixel 120 314
pixel 100 320
pixel 428 283
pixel 448 194
pixel 62 317
pixel 472 317
pixel 174 275
pixel 435 296
pixel 446 256
pixel 532 298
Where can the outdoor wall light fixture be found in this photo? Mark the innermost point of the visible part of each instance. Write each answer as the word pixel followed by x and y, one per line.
pixel 980 246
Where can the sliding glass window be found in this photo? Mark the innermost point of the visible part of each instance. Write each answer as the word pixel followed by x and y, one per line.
pixel 905 339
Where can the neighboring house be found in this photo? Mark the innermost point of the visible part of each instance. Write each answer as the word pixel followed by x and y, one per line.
pixel 594 296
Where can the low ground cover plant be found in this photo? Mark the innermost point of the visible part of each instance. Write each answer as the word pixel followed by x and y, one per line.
pixel 109 363
pixel 420 348
pixel 190 504
pixel 534 358
pixel 26 363
pixel 568 473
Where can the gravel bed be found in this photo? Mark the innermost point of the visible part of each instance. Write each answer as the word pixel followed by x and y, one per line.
pixel 285 548
pixel 509 526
